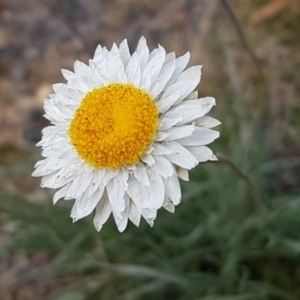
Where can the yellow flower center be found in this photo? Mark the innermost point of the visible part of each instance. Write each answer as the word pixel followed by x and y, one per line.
pixel 114 125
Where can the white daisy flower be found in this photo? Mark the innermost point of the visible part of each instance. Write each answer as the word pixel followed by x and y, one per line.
pixel 125 127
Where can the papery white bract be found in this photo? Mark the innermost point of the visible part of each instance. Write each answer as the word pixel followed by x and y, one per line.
pixel 125 128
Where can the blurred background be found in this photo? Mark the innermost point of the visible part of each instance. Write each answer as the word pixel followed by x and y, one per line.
pixel 236 234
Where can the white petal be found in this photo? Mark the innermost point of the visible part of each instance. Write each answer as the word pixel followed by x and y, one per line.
pixel 179 132
pixel 116 189
pixel 202 153
pixel 61 193
pixel 96 76
pixel 75 95
pixel 160 136
pixel 149 215
pixel 100 66
pixel 124 52
pixel 154 90
pixel 83 71
pixel 153 68
pixel 130 167
pixel 147 196
pixel 168 205
pixel 106 175
pixel 166 102
pixel 96 181
pixel 156 190
pixel 133 70
pixel 55 181
pixel 167 123
pixel 192 96
pixel 185 83
pixel 181 156
pixel 142 53
pixel 149 149
pixel 79 185
pixel 98 56
pixel 163 166
pixel 159 149
pixel 105 53
pixel 148 159
pixel 137 192
pixel 207 122
pixel 116 198
pixel 190 110
pixel 122 220
pixel 68 75
pixel 63 176
pixel 84 205
pixel 134 214
pixel 141 175
pixel 74 168
pixel 66 153
pixel 67 110
pixel 121 223
pixel 173 190
pixel 46 166
pixel 61 89
pixel 146 82
pixel 49 140
pixel 53 130
pixel 180 64
pixel 153 53
pixel 166 72
pixel 74 81
pixel 115 66
pixel 201 136
pixel 53 111
pixel 103 211
pixel 182 173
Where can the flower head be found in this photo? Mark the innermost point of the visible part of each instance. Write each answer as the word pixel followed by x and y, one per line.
pixel 125 127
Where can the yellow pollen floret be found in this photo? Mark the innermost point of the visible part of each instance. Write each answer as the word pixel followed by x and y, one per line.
pixel 114 125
